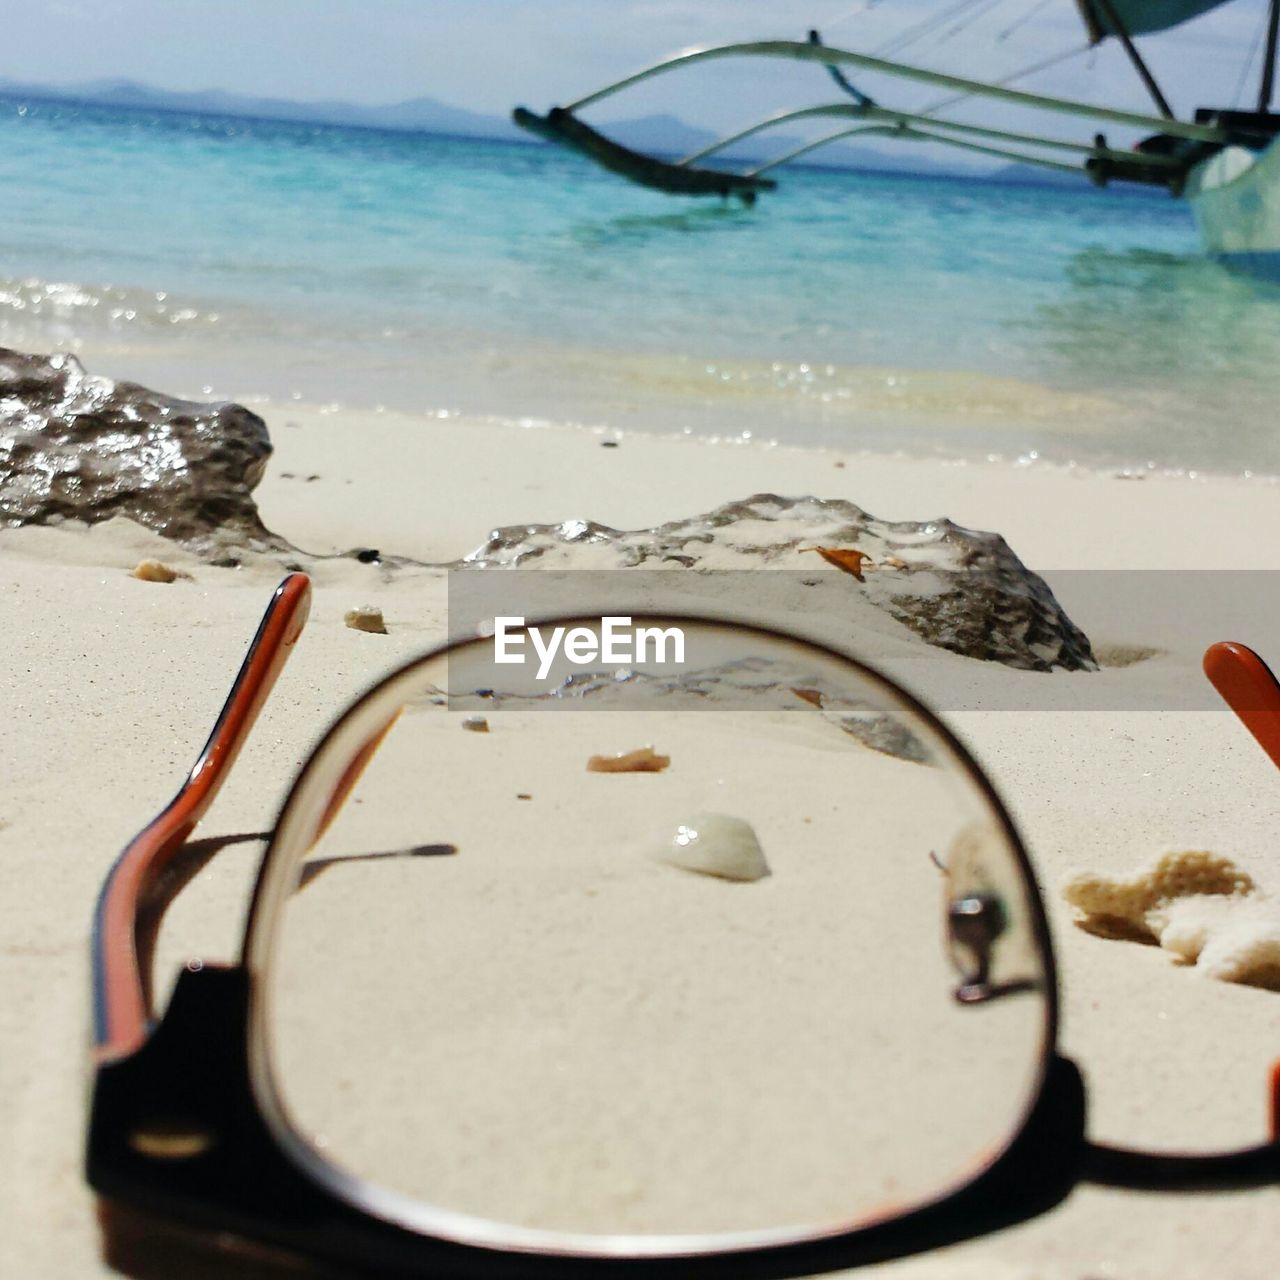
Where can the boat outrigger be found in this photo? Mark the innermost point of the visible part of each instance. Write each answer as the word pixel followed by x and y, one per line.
pixel 1225 162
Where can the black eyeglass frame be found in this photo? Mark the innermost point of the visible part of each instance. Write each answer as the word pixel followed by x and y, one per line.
pixel 177 1130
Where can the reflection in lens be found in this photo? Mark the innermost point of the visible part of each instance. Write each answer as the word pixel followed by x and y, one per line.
pixel 711 997
pixel 991 948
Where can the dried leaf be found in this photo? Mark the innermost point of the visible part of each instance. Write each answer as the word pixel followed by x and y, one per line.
pixel 849 559
pixel 809 695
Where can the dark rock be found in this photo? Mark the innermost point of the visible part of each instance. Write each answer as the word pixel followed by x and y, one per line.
pixel 753 683
pixel 78 447
pixel 956 588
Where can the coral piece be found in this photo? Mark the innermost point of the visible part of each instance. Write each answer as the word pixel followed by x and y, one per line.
pixel 641 760
pixel 1231 939
pixel 1175 874
pixel 1198 905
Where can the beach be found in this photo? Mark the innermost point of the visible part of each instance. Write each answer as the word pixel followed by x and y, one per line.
pixel 112 684
pixel 956 315
pixel 1009 441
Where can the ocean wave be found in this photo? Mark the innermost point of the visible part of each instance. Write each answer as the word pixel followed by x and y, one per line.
pixel 373 354
pixel 97 306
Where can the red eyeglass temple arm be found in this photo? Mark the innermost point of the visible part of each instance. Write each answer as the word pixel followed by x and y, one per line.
pixel 120 1009
pixel 1250 689
pixel 1275 1101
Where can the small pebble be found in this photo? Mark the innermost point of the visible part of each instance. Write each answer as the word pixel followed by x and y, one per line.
pixel 156 571
pixel 366 618
pixel 476 724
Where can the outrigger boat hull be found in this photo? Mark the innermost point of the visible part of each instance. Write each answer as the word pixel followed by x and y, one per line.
pixel 1225 162
pixel 562 126
pixel 1235 198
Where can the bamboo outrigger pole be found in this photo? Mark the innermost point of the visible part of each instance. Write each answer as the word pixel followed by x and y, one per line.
pixel 917 135
pixel 922 125
pixel 828 55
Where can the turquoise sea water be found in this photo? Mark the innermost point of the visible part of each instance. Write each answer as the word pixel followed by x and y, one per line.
pixel 866 310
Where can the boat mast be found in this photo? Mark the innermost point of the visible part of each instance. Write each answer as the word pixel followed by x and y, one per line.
pixel 1118 30
pixel 1269 59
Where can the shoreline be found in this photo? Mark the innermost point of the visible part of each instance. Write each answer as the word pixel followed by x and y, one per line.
pixel 925 410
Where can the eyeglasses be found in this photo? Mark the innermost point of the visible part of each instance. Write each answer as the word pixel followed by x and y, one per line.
pixel 722 956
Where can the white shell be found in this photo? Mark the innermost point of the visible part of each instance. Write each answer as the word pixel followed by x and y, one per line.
pixel 714 844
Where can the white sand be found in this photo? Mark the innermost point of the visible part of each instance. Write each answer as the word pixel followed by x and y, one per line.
pixel 110 685
pixel 574 1037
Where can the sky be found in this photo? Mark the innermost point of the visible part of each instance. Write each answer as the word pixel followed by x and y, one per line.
pixel 487 55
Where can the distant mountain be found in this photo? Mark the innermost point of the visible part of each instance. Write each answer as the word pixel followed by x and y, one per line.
pixel 421 115
pixel 664 135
